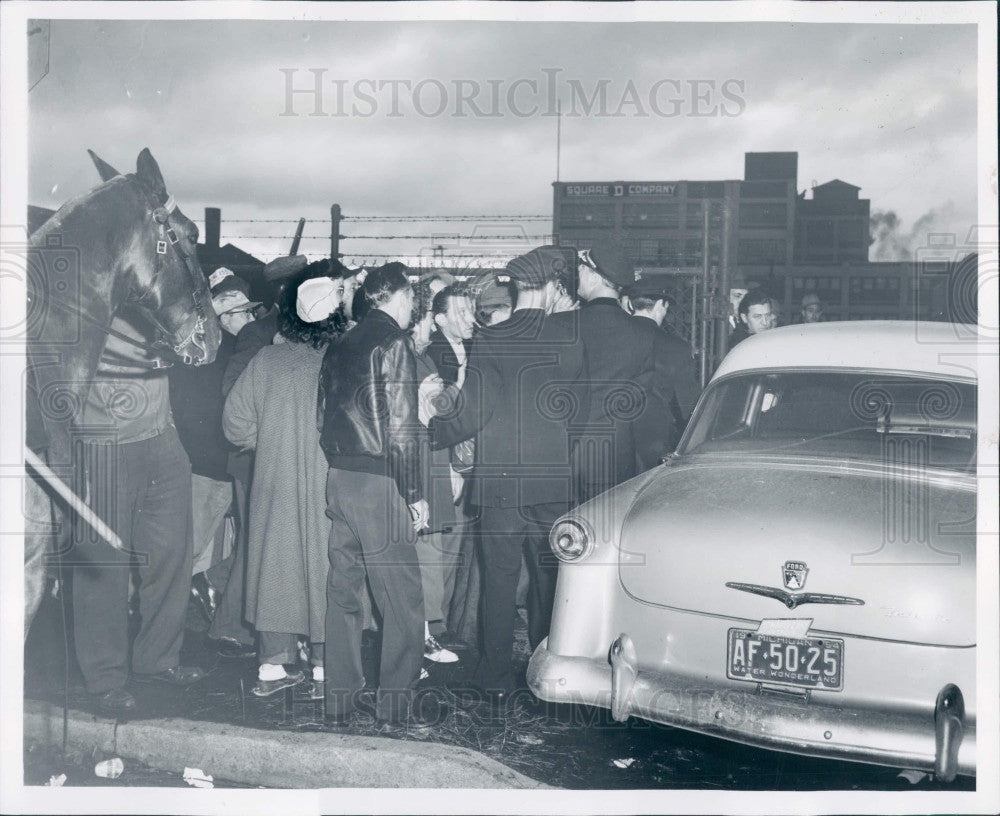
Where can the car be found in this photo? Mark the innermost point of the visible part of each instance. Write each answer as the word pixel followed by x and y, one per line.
pixel 800 574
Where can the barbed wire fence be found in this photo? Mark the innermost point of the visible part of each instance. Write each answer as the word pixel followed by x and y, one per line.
pixel 453 241
pixel 462 244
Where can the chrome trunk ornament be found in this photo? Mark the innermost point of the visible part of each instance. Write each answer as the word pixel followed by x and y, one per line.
pixel 792 601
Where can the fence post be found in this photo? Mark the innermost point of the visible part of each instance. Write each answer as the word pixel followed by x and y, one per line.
pixel 725 278
pixel 298 237
pixel 706 296
pixel 335 232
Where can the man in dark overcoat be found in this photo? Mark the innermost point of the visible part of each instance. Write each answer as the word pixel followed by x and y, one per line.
pixel 524 393
pixel 672 389
pixel 618 367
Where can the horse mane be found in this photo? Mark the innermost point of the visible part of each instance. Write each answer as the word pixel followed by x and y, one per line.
pixel 72 207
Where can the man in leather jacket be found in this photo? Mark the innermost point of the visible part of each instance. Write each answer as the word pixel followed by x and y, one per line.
pixel 371 435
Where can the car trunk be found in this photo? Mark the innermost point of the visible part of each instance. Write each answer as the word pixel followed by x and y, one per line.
pixel 905 548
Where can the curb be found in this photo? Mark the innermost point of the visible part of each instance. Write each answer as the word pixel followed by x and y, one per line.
pixel 278 759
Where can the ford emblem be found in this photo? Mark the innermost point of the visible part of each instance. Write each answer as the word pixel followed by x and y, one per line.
pixel 794 574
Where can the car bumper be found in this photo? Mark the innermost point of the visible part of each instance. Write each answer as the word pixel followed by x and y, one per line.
pixel 941 741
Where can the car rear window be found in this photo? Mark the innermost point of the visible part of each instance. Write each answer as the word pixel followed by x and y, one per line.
pixel 852 415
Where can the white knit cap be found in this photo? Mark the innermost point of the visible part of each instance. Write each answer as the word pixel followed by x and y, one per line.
pixel 317 299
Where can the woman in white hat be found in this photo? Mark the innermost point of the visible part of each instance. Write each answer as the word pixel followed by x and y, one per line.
pixel 272 409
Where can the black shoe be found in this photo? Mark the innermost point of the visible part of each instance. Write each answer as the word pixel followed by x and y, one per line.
pixel 412 725
pixel 265 688
pixel 174 676
pixel 228 647
pixel 426 710
pixel 452 642
pixel 116 703
pixel 206 596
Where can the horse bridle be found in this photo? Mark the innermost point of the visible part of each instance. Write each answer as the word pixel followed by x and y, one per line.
pixel 168 237
pixel 160 213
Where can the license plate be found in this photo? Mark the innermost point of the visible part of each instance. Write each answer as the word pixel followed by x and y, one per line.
pixel 814 663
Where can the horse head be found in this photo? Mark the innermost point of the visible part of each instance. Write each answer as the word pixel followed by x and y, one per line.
pixel 165 279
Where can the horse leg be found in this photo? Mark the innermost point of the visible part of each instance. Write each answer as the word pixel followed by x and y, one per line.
pixel 38 520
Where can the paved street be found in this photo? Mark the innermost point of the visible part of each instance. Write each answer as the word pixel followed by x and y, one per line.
pixel 567 746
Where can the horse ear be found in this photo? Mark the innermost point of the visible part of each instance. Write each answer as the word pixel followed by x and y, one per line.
pixel 148 172
pixel 107 172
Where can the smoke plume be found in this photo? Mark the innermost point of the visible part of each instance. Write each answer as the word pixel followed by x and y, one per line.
pixel 891 241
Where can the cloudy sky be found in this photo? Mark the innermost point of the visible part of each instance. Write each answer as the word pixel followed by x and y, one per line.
pixel 890 108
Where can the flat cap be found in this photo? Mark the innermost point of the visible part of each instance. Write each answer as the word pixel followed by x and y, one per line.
pixel 283 267
pixel 541 265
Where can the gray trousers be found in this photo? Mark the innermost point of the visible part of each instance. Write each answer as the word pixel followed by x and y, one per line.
pixel 371 534
pixel 440 555
pixel 143 489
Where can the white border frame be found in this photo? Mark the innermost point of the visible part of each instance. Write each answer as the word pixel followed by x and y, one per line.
pixel 13 201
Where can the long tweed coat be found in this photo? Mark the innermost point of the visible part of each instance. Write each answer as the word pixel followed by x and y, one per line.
pixel 272 407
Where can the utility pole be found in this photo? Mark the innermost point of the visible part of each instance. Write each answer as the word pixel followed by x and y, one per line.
pixel 558 137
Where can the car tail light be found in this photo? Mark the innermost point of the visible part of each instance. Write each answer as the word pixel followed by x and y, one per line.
pixel 570 540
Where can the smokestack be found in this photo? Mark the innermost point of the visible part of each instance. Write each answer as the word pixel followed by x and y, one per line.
pixel 213 225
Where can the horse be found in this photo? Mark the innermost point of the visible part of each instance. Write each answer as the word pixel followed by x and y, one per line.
pixel 124 242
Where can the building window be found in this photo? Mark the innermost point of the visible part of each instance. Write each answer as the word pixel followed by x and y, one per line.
pixel 763 215
pixel 762 251
pixel 853 233
pixel 694 219
pixel 651 215
pixel 828 289
pixel 670 251
pixel 820 233
pixel 649 250
pixel 706 189
pixel 873 290
pixel 587 215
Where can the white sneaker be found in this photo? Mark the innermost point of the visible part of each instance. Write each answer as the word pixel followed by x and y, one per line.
pixel 436 652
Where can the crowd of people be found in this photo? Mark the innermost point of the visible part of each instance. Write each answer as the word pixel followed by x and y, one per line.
pixel 373 451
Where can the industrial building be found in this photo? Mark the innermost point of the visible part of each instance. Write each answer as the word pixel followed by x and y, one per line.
pixel 779 238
